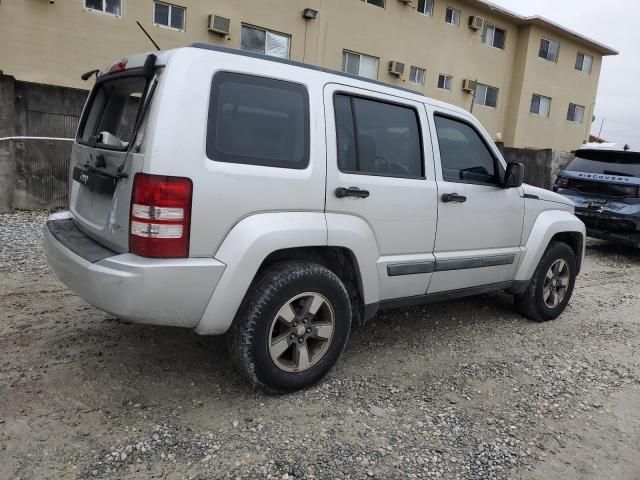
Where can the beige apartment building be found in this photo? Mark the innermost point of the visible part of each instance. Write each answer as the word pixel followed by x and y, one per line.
pixel 536 81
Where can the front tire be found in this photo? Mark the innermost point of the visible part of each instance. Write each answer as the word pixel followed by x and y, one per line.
pixel 551 286
pixel 291 327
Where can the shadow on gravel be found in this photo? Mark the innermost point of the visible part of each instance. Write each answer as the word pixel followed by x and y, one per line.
pixel 614 249
pixel 161 365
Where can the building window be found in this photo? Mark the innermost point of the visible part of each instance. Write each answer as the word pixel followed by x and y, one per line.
pixel 494 36
pixel 576 113
pixel 417 75
pixel 540 105
pixel 584 63
pixel 452 16
pixel 378 138
pixel 377 3
pixel 445 81
pixel 549 50
pixel 167 15
pixel 361 65
pixel 258 121
pixel 425 7
pixel 263 41
pixel 486 95
pixel 112 7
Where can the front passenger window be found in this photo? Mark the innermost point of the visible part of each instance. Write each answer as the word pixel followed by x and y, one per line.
pixel 463 154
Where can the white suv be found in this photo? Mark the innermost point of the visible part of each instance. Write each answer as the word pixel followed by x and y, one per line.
pixel 229 192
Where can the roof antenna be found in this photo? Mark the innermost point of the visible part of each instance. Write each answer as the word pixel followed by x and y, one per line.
pixel 148 36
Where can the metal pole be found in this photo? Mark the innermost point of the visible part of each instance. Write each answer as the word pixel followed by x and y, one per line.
pixel 473 100
pixel 600 132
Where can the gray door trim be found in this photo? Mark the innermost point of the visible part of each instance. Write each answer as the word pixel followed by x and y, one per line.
pixel 475 262
pixel 415 268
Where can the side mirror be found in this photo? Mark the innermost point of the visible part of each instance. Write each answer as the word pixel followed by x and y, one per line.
pixel 514 176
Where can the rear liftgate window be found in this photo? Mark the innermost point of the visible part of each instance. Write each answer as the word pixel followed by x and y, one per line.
pixel 606 173
pixel 258 121
pixel 620 164
pixel 115 105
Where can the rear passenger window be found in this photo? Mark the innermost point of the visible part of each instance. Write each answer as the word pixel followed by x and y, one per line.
pixel 463 154
pixel 377 138
pixel 258 121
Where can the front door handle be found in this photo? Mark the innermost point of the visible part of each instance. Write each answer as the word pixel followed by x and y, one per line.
pixel 342 192
pixel 453 198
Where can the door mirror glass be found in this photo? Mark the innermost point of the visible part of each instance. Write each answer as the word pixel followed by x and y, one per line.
pixel 514 175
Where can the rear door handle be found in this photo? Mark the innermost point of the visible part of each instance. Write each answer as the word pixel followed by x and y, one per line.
pixel 453 198
pixel 342 192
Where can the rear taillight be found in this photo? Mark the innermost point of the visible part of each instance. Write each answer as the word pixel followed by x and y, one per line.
pixel 562 182
pixel 160 216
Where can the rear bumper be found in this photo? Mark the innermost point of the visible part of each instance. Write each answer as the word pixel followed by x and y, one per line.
pixel 614 227
pixel 616 220
pixel 172 292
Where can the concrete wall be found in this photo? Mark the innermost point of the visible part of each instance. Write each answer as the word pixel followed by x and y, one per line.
pixel 42 167
pixel 537 164
pixel 55 44
pixel 7 129
pixel 559 162
pixel 34 173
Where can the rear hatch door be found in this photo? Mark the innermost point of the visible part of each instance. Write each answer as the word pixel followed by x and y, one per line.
pixel 106 157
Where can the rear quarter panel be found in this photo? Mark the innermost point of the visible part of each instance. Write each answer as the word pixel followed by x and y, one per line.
pixel 226 193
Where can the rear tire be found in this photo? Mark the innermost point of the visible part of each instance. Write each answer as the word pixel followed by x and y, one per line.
pixel 291 328
pixel 551 286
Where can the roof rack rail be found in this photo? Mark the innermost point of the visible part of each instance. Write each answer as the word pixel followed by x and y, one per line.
pixel 244 53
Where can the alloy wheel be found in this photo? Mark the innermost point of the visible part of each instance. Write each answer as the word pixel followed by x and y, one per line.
pixel 556 283
pixel 301 332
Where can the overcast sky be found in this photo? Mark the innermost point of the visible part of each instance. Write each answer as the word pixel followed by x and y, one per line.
pixel 616 23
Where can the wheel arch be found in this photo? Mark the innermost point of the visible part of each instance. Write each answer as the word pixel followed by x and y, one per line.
pixel 549 226
pixel 576 241
pixel 261 240
pixel 340 260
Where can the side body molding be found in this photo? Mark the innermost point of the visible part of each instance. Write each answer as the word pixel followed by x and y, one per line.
pixel 243 251
pixel 547 224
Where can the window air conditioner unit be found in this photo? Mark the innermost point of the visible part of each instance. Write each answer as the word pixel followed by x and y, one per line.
pixel 468 85
pixel 396 68
pixel 219 25
pixel 476 23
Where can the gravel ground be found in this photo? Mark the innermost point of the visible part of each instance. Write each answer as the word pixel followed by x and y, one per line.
pixel 464 389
